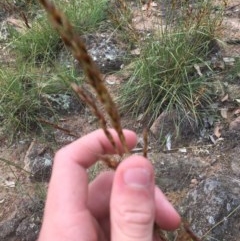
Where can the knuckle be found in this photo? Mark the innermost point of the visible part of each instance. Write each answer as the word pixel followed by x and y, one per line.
pixel 135 216
pixel 134 221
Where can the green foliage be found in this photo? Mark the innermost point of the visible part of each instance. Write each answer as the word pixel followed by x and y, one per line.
pixel 233 75
pixel 86 16
pixel 24 98
pixel 39 44
pixel 164 77
pixel 42 43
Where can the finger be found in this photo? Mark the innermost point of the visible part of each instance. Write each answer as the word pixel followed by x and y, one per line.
pixel 99 195
pixel 98 200
pixel 86 150
pixel 167 217
pixel 68 188
pixel 69 173
pixel 132 202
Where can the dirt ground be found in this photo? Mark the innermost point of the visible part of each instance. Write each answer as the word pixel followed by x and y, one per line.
pixel 15 184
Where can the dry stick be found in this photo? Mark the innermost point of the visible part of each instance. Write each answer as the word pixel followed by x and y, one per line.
pixel 10 163
pixel 79 51
pixel 68 132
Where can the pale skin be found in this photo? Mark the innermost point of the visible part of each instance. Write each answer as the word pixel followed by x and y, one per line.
pixel 117 206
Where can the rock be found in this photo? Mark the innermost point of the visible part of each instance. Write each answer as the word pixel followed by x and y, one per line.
pixel 28 229
pixel 164 124
pixel 229 61
pixel 64 103
pixel 175 171
pixel 106 51
pixel 235 162
pixel 233 91
pixel 38 162
pixel 212 209
pixel 235 124
pixel 170 123
pixel 24 223
pixel 4 31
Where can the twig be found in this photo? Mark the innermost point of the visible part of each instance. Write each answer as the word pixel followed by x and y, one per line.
pixel 57 127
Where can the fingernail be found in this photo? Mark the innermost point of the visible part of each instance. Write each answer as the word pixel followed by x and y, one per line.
pixel 137 177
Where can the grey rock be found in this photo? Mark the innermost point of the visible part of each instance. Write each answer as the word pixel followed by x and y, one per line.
pixel 4 32
pixel 24 223
pixel 172 123
pixel 107 53
pixel 233 91
pixel 28 229
pixel 235 161
pixel 38 162
pixel 235 125
pixel 64 103
pixel 213 209
pixel 174 171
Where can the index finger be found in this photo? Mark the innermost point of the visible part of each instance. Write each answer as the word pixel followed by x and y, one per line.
pixel 87 149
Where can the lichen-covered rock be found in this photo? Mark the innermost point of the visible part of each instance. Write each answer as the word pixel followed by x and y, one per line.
pixel 175 172
pixel 64 103
pixel 106 52
pixel 28 229
pixel 38 162
pixel 24 224
pixel 213 209
pixel 171 123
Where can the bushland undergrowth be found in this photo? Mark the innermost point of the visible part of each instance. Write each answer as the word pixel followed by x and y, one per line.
pixel 38 71
pixel 164 76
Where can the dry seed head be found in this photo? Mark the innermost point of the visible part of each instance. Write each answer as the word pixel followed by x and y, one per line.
pixel 79 51
pixel 90 102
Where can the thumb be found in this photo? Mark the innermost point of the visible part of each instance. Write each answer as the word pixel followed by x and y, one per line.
pixel 132 205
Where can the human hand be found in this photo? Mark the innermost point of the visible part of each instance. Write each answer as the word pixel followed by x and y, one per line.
pixel 118 206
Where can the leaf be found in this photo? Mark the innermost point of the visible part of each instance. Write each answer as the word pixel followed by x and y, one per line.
pixel 225 98
pixel 212 139
pixel 236 112
pixel 9 183
pixel 154 4
pixel 217 131
pixel 224 113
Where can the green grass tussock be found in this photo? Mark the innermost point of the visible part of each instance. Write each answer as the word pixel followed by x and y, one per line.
pixel 26 98
pixel 164 77
pixel 41 43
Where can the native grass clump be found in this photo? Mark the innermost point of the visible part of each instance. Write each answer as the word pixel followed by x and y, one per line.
pixel 41 43
pixel 29 96
pixel 166 75
pixel 40 72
